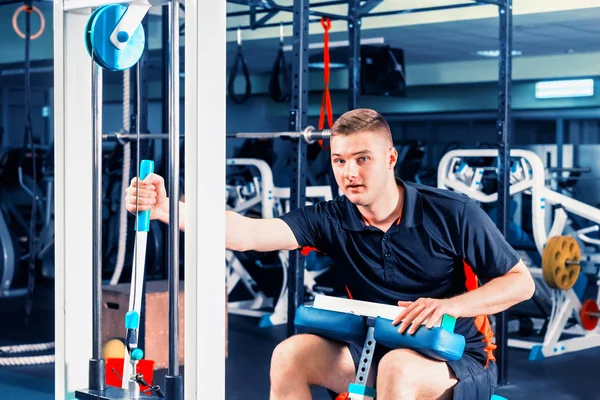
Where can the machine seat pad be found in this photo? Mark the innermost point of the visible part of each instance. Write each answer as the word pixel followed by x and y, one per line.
pixel 334 325
pixel 437 342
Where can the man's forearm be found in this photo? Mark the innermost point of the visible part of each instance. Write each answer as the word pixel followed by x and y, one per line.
pixel 497 295
pixel 165 216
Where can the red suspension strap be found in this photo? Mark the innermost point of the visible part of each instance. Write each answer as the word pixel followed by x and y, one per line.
pixel 326 107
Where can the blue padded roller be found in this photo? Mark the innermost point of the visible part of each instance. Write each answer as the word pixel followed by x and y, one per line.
pixel 436 342
pixel 331 324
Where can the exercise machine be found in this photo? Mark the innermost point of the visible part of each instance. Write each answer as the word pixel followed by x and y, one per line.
pixel 354 321
pixel 558 276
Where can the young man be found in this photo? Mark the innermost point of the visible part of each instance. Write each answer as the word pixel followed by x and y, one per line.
pixel 391 242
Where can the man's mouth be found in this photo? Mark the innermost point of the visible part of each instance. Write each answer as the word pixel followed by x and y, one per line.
pixel 354 186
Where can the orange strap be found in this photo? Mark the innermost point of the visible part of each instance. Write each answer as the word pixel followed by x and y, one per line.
pixel 326 99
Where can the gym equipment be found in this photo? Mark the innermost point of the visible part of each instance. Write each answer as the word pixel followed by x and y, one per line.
pixel 589 314
pixel 239 59
pixel 28 9
pixel 114 39
pixel 560 262
pixel 114 35
pixel 561 256
pixel 309 134
pixel 280 92
pixel 371 323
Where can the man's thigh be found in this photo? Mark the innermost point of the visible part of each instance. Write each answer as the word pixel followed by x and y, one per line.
pixel 324 362
pixel 474 381
pixel 410 373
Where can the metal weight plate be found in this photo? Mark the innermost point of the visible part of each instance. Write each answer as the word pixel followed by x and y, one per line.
pixel 560 262
pixel 101 25
pixel 589 315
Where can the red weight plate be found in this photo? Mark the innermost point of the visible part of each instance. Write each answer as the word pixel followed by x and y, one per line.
pixel 589 322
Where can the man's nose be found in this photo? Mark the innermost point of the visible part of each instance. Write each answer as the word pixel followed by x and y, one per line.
pixel 350 170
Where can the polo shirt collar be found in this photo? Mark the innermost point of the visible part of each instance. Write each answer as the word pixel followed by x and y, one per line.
pixel 412 210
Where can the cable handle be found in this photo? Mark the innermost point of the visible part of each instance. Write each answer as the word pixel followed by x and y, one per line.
pixel 143 217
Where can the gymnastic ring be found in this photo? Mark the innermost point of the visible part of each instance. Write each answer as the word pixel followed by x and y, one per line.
pixel 16 26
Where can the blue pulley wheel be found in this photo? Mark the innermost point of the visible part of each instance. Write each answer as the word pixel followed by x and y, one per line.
pixel 100 26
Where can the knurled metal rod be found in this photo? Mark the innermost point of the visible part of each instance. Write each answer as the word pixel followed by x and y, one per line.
pixel 308 134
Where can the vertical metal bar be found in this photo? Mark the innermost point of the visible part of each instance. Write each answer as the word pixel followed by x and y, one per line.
pixel 560 140
pixel 173 67
pixel 354 23
pixel 96 372
pixel 504 134
pixel 298 119
pixel 164 89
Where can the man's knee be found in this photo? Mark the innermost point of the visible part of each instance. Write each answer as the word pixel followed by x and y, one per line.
pixel 289 356
pixel 397 364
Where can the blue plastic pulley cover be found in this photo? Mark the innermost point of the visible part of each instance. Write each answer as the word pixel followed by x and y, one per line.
pixel 100 26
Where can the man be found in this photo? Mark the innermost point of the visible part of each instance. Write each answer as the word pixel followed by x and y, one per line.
pixel 391 242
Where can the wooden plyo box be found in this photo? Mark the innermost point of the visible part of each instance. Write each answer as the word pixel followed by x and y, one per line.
pixel 115 301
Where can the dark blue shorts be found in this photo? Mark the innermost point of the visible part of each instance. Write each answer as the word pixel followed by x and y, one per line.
pixel 474 381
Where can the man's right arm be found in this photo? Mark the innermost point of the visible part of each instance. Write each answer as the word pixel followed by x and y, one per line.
pixel 243 233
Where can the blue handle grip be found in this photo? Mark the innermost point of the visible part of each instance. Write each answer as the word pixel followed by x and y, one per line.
pixel 132 320
pixel 143 219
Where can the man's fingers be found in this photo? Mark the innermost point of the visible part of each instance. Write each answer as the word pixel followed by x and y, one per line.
pixel 141 207
pixel 434 319
pixel 131 191
pixel 142 201
pixel 410 317
pixel 147 182
pixel 403 314
pixel 418 321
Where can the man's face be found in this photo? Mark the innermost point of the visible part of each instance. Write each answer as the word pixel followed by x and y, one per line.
pixel 362 163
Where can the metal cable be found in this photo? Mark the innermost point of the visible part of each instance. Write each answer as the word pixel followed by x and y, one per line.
pixel 124 180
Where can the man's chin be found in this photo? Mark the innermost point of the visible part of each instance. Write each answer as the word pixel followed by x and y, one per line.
pixel 356 198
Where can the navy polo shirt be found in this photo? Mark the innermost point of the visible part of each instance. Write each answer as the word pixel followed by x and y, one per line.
pixel 421 256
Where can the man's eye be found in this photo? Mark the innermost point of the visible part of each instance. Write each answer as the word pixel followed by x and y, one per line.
pixel 363 159
pixel 338 161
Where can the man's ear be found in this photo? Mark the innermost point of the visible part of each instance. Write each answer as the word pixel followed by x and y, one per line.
pixel 393 158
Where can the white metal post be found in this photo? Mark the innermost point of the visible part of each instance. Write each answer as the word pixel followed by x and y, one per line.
pixel 205 40
pixel 73 201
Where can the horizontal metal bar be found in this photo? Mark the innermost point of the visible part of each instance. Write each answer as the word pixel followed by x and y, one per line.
pixel 271 25
pixel 574 169
pixel 329 15
pixel 265 10
pixel 418 10
pixel 498 3
pixel 143 136
pixel 309 134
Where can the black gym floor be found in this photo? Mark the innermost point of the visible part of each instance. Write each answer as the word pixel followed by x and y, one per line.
pixel 572 376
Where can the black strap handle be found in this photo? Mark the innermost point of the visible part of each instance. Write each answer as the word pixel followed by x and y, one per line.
pixel 277 92
pixel 239 59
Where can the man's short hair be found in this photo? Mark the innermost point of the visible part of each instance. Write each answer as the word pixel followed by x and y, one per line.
pixel 361 120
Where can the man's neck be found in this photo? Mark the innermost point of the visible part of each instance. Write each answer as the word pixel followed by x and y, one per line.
pixel 387 209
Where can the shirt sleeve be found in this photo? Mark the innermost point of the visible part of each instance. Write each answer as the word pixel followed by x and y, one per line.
pixel 484 247
pixel 308 224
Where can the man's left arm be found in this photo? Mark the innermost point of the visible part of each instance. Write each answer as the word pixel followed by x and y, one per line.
pixel 497 295
pixel 486 251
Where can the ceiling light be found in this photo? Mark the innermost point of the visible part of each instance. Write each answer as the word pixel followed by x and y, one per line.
pixel 496 53
pixel 565 88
